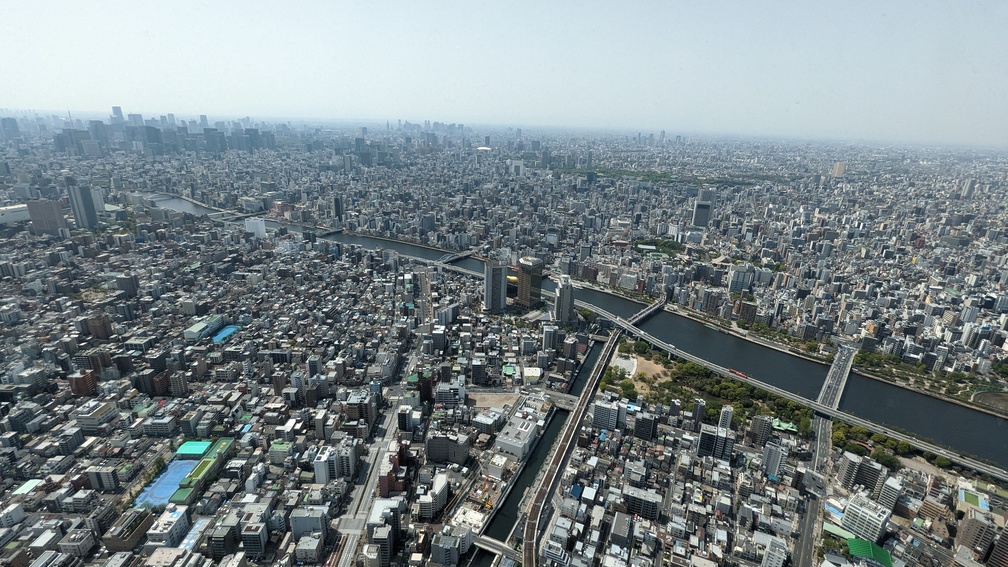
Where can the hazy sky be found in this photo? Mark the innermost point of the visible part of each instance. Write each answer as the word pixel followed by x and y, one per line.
pixel 903 71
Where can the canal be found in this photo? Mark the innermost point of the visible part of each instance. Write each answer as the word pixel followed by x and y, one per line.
pixel 960 428
pixel 508 513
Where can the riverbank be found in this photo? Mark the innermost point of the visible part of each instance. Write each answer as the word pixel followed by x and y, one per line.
pixel 690 314
pixel 742 334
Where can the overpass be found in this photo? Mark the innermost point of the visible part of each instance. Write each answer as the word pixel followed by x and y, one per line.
pixel 823 409
pixel 496 547
pixel 544 492
pixel 564 401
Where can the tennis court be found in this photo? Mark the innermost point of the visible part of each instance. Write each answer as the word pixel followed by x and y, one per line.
pixel 161 488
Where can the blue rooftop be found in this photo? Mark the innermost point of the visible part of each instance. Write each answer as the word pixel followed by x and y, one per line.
pixel 224 333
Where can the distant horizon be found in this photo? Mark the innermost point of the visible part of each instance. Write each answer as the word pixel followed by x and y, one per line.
pixel 84 114
pixel 904 72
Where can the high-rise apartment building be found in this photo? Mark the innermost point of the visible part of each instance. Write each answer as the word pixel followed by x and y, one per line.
pixel 494 286
pixel 530 272
pixel 760 428
pixel 727 413
pixel 774 456
pixel 699 409
pixel 976 532
pixel 865 518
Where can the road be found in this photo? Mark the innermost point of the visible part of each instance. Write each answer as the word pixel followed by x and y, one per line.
pixel 809 524
pixel 353 523
pixel 822 427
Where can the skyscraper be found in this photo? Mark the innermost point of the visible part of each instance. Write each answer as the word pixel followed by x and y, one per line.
pixel 9 128
pixel 495 286
pixel 85 202
pixel 530 271
pixel 46 216
pixel 563 311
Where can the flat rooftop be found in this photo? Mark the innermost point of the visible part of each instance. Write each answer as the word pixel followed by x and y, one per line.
pixel 193 449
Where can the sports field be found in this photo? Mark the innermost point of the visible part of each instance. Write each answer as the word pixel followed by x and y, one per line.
pixel 161 488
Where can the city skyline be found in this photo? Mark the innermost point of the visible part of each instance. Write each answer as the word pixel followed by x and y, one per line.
pixel 929 73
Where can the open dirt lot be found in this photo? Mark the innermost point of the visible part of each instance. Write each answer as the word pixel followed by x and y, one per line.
pixel 994 399
pixel 636 365
pixel 491 400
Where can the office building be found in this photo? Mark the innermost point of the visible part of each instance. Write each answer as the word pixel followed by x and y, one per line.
pixel 447 448
pixel 702 213
pixel 563 311
pixel 256 226
pixel 254 536
pixel 127 531
pixel 384 538
pixel 85 202
pixel 495 286
pixel 305 520
pixel 171 527
pixel 530 272
pixel 517 437
pixel 717 442
pixel 999 553
pixel 646 426
pixel 9 128
pixel 46 216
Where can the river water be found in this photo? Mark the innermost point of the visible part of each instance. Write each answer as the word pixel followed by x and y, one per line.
pixel 960 428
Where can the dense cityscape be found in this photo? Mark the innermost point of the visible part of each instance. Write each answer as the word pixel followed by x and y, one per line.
pixel 245 342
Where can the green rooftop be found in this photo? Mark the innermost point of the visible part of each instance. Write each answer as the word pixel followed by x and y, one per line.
pixel 868 550
pixel 181 496
pixel 784 425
